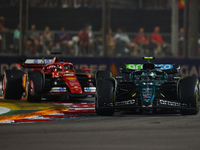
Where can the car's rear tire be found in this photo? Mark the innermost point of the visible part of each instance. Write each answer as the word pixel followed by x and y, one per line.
pixel 188 90
pixel 12 84
pixel 37 79
pixel 105 95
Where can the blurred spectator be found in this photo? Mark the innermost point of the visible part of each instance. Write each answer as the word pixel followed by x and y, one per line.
pixel 119 44
pixel 118 34
pixel 156 40
pixel 181 4
pixel 141 42
pixel 64 39
pixel 98 44
pixel 41 44
pixel 111 42
pixel 180 41
pixel 158 46
pixel 48 39
pixel 77 3
pixel 16 37
pixel 74 48
pixel 83 40
pixel 56 48
pixel 2 32
pixel 34 37
pixel 90 34
pixel 30 48
pixel 123 43
pixel 64 3
pixel 2 21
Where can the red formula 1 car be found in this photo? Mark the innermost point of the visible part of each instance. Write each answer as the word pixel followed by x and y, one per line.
pixel 48 78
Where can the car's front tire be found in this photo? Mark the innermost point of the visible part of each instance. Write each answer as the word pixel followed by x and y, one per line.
pixel 188 90
pixel 105 95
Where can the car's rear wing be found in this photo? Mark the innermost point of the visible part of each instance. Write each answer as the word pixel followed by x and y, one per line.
pixel 168 68
pixel 33 63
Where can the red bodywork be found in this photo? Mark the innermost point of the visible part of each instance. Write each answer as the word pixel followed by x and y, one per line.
pixel 64 71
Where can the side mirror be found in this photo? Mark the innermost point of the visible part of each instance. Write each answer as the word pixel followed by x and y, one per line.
pixel 86 69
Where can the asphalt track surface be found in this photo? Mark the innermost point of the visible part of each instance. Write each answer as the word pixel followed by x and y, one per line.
pixel 121 131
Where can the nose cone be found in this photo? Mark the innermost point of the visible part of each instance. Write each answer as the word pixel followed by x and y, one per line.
pixel 72 83
pixel 147 94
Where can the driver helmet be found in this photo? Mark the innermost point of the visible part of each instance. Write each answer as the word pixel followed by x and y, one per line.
pixel 144 76
pixel 151 75
pixel 59 68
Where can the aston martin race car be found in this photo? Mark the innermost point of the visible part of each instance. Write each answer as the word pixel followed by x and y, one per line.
pixel 147 89
pixel 48 78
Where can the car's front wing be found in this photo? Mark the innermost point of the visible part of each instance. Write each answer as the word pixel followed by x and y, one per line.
pixel 160 103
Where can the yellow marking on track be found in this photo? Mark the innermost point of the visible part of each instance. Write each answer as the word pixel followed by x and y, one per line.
pixel 32 114
pixel 24 105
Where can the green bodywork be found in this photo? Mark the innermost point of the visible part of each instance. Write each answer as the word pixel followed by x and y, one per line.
pixel 146 84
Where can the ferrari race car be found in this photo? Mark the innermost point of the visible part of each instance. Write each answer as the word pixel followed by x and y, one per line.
pixel 48 78
pixel 146 90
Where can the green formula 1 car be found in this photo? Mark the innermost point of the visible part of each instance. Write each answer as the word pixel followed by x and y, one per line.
pixel 147 90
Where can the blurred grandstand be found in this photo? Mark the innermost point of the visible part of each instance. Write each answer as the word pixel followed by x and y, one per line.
pixel 138 28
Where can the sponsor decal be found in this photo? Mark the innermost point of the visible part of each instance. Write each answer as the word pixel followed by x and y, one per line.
pixel 58 89
pixel 61 89
pixel 140 66
pixel 123 103
pixel 164 66
pixel 68 74
pixel 73 83
pixel 148 57
pixel 35 61
pixel 47 61
pixel 169 103
pixel 90 89
pixel 71 78
pixel 134 66
pixel 147 96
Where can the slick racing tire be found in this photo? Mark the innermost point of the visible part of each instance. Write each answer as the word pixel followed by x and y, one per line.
pixel 105 95
pixel 34 86
pixel 12 84
pixel 102 75
pixel 188 90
